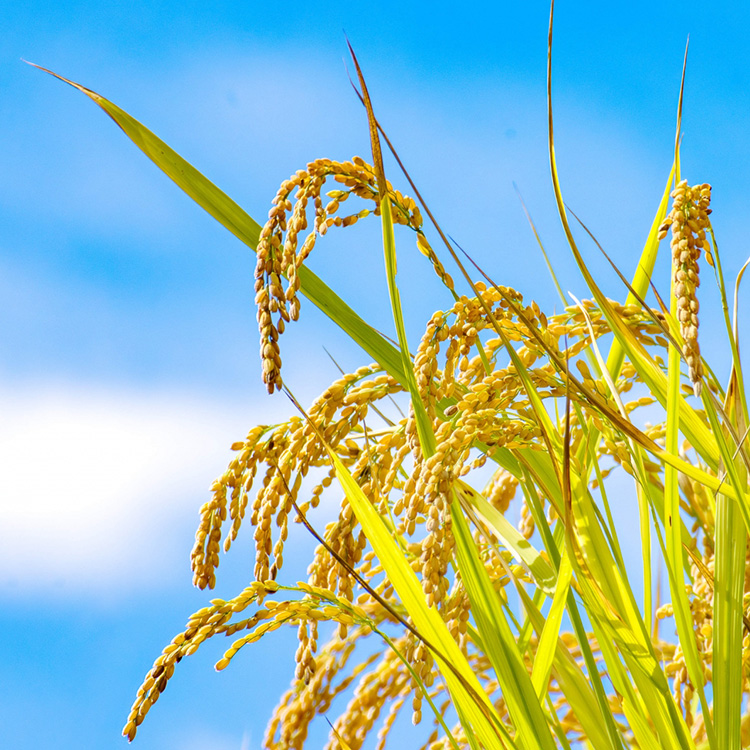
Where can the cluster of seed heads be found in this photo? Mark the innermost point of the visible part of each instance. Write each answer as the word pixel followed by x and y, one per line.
pixel 689 221
pixel 478 404
pixel 382 453
pixel 280 255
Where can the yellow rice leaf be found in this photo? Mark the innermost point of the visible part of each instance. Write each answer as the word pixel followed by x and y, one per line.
pixel 653 700
pixel 643 273
pixel 513 540
pixel 469 697
pixel 424 426
pixel 525 709
pixel 673 533
pixel 545 652
pixel 634 707
pixel 727 622
pixel 609 603
pixel 729 577
pixel 690 423
pixel 575 685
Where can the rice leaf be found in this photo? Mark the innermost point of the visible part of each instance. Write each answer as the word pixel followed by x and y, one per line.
pixel 643 272
pixel 609 600
pixel 729 578
pixel 729 574
pixel 647 368
pixel 506 533
pixel 680 603
pixel 634 707
pixel 674 559
pixel 524 709
pixel 734 338
pixel 219 205
pixel 501 648
pixel 547 643
pixel 637 653
pixel 469 697
pixel 424 426
pixel 576 686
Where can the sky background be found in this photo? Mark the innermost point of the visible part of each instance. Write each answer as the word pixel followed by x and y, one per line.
pixel 128 341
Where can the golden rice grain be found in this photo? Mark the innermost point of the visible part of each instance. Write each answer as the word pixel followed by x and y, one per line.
pixel 471 407
pixel 689 222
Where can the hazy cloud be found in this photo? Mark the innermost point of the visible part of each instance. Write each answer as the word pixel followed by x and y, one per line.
pixel 96 483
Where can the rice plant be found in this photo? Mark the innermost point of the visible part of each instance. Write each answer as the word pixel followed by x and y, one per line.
pixel 488 635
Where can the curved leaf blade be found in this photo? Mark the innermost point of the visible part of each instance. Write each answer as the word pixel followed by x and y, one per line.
pixel 233 217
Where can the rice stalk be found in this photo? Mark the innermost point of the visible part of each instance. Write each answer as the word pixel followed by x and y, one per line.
pixel 422 596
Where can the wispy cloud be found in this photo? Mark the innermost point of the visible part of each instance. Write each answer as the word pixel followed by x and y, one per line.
pixel 99 486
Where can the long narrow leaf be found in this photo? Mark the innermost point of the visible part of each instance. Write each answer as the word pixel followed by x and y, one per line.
pixel 501 648
pixel 468 694
pixel 230 215
pixel 729 579
pixel 424 426
pixel 575 685
pixel 675 555
pixel 513 540
pixel 546 650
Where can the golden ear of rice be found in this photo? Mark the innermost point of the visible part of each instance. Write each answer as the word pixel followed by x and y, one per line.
pixel 280 253
pixel 689 222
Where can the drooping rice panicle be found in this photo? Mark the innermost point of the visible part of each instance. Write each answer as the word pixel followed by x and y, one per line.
pixel 279 253
pixel 487 408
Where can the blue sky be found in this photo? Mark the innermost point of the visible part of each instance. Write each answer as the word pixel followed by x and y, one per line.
pixel 128 343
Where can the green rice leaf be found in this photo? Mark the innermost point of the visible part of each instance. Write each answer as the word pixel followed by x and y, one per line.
pixel 575 685
pixel 729 578
pixel 729 575
pixel 219 205
pixel 673 529
pixel 652 701
pixel 610 604
pixel 674 556
pixel 634 707
pixel 643 273
pixel 377 347
pixel 524 708
pixel 187 177
pixel 647 368
pixel 424 426
pixel 611 609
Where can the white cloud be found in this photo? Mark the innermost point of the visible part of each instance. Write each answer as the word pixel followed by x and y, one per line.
pixel 99 487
